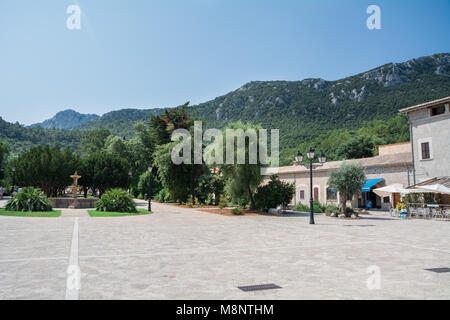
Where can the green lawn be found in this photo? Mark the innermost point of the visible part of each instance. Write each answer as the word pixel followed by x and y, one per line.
pixel 95 213
pixel 50 214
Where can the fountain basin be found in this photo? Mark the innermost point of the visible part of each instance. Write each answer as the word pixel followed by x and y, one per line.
pixel 73 203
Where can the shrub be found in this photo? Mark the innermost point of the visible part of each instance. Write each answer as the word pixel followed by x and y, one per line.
pixel 116 200
pixel 429 198
pixel 29 199
pixel 163 196
pixel 223 202
pixel 8 191
pixel 237 211
pixel 401 206
pixel 209 199
pixel 350 211
pixel 208 185
pixel 144 184
pixel 301 208
pixel 414 198
pixel 318 207
pixel 273 194
pixel 243 202
pixel 331 209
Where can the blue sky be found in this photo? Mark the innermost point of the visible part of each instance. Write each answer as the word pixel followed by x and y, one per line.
pixel 158 53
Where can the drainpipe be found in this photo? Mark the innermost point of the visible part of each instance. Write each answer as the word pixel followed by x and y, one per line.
pixel 412 152
pixel 409 182
pixel 295 194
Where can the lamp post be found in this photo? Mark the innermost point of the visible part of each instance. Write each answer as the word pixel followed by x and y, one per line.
pixel 150 168
pixel 14 179
pixel 130 173
pixel 322 159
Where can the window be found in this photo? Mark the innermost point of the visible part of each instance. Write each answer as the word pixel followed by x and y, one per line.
pixel 386 199
pixel 425 146
pixel 302 194
pixel 331 194
pixel 425 149
pixel 437 111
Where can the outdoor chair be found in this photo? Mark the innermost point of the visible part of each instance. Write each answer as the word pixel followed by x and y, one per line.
pixel 428 213
pixel 435 213
pixel 445 214
pixel 415 212
pixel 422 212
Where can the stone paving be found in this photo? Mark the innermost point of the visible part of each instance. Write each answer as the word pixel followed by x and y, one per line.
pixel 73 213
pixel 179 253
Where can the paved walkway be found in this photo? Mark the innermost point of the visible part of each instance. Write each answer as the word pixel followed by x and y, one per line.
pixel 72 213
pixel 179 253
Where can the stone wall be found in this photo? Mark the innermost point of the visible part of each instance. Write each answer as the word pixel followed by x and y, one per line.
pixel 79 203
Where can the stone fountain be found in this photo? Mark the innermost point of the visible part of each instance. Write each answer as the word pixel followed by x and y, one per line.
pixel 74 202
pixel 75 188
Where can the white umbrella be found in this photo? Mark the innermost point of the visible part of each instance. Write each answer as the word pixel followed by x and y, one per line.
pixel 393 188
pixel 436 188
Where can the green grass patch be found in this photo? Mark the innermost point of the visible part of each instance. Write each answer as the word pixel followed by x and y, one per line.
pixel 95 213
pixel 34 214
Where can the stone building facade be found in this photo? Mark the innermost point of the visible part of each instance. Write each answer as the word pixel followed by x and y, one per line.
pixel 393 165
pixel 430 139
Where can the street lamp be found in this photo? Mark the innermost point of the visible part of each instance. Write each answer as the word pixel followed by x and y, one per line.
pixel 150 168
pixel 130 173
pixel 322 159
pixel 14 179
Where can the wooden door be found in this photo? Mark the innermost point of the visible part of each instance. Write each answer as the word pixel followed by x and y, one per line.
pixel 316 194
pixel 396 199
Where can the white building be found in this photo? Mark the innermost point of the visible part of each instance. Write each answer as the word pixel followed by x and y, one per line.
pixel 430 139
pixel 392 165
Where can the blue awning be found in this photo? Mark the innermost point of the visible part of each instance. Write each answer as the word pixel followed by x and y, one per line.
pixel 369 184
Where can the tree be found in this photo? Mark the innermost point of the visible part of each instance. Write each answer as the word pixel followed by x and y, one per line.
pixel 117 146
pixel 158 130
pixel 180 180
pixel 162 126
pixel 94 141
pixel 209 184
pixel 243 178
pixel 394 130
pixel 275 193
pixel 47 168
pixel 143 186
pixel 358 147
pixel 102 171
pixel 4 151
pixel 347 180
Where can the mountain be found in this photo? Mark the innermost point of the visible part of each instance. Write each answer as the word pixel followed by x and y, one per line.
pixel 21 138
pixel 302 110
pixel 121 122
pixel 67 119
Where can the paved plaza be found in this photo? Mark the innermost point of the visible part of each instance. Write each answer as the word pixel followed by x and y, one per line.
pixel 179 253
